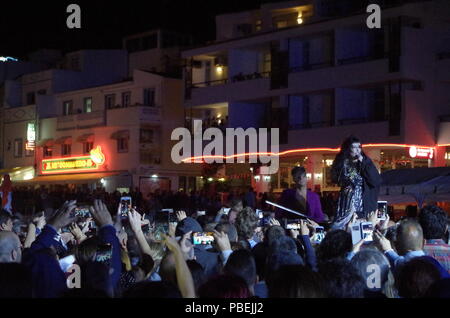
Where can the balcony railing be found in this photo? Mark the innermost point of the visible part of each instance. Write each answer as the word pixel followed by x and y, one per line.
pixel 360 59
pixel 120 106
pixel 82 120
pixel 353 121
pixel 320 124
pixel 236 78
pixel 310 67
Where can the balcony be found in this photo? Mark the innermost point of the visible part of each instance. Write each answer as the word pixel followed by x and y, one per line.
pixel 238 87
pixel 137 113
pixel 371 71
pixel 332 136
pixel 80 121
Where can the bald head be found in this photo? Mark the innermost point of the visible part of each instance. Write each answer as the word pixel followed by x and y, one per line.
pixel 409 236
pixel 10 248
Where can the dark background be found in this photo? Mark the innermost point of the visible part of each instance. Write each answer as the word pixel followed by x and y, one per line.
pixel 26 26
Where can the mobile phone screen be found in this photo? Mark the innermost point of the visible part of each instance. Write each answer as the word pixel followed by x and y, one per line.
pixel 367 231
pixel 125 207
pixel 103 254
pixel 292 226
pixel 202 238
pixel 82 212
pixel 382 209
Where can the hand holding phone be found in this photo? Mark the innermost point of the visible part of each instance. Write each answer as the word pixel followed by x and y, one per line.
pixel 202 238
pixel 103 254
pixel 82 212
pixel 124 207
pixel 382 210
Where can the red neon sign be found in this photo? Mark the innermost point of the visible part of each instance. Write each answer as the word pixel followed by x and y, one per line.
pixel 420 152
pixel 199 159
pixel 75 164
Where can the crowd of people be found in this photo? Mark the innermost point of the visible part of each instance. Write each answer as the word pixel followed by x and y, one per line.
pixel 151 253
pixel 80 243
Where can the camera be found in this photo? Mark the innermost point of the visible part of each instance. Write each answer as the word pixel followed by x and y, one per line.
pixel 125 207
pixel 319 235
pixel 382 210
pixel 362 230
pixel 202 238
pixel 82 212
pixel 103 253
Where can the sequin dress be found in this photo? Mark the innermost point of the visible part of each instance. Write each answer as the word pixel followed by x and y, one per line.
pixel 351 196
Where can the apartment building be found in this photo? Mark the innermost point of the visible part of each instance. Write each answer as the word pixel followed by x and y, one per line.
pixel 89 124
pixel 315 70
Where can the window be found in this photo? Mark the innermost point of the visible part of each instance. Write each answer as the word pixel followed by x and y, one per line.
pixel 31 98
pixel 126 99
pixel 66 149
pixel 67 108
pixel 149 97
pixel 87 105
pixel 258 25
pixel 87 147
pixel 146 136
pixel 122 145
pixel 47 152
pixel 29 152
pixel 18 146
pixel 110 101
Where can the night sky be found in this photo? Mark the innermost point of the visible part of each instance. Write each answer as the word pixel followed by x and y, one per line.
pixel 28 26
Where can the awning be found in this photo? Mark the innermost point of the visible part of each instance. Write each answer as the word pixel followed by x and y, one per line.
pixel 11 170
pixel 45 142
pixel 71 178
pixel 18 173
pixel 86 138
pixel 64 140
pixel 121 134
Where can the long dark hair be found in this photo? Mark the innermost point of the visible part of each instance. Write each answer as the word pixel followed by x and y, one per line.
pixel 343 154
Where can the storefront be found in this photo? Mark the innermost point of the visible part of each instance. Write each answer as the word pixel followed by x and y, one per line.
pixel 86 171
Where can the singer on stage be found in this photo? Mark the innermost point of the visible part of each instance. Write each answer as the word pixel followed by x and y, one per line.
pixel 300 199
pixel 359 180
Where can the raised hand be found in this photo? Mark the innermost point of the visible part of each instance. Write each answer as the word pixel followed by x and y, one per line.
pixel 135 221
pixel 383 242
pixel 222 240
pixel 304 229
pixel 39 222
pixel 64 215
pixel 101 214
pixel 77 232
pixel 181 215
pixel 273 222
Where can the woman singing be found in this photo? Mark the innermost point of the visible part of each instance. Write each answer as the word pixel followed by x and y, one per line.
pixel 359 180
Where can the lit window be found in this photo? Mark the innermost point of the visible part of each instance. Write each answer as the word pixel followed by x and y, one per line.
pixel 87 105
